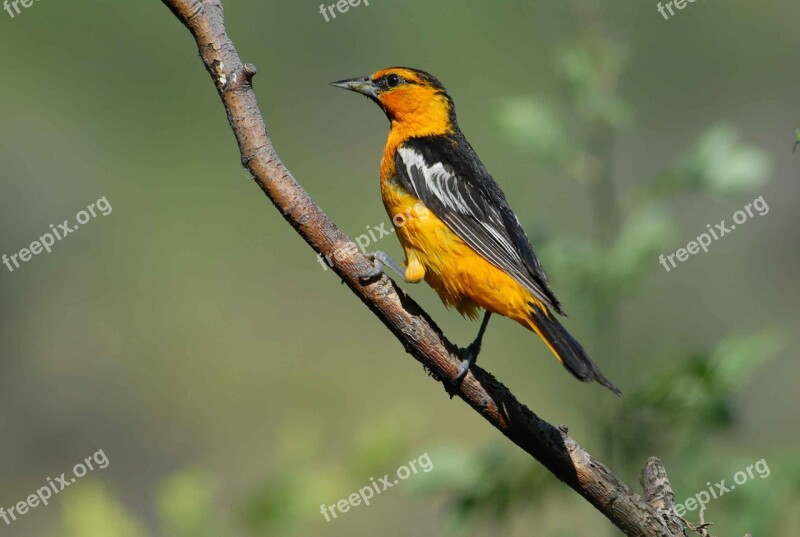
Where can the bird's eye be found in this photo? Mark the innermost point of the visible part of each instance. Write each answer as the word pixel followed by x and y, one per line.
pixel 392 80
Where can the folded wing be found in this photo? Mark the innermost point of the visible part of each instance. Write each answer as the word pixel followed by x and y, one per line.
pixel 447 176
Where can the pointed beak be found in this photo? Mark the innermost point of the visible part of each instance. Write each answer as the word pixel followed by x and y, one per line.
pixel 362 85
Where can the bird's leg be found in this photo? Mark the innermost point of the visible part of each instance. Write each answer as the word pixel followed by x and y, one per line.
pixel 381 259
pixel 469 355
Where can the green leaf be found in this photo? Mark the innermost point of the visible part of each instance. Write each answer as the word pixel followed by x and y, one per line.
pixel 89 510
pixel 533 125
pixel 720 164
pixel 185 502
pixel 592 72
pixel 734 360
pixel 645 235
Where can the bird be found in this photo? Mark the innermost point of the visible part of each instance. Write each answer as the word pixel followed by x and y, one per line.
pixel 457 230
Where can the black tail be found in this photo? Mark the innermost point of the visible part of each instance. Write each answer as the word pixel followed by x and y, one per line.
pixel 568 351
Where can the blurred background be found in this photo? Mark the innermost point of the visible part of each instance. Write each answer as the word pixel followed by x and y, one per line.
pixel 235 385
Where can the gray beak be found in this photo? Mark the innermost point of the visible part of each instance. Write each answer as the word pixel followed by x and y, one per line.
pixel 362 85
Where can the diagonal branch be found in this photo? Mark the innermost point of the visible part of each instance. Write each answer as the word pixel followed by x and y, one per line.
pixel 420 336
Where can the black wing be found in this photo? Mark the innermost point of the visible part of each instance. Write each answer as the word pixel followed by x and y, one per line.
pixel 446 175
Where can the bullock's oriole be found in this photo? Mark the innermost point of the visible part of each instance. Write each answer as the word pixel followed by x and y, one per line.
pixel 471 248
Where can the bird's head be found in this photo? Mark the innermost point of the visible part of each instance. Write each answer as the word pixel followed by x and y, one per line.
pixel 413 100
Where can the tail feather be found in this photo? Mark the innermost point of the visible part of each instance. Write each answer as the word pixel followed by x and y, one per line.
pixel 568 351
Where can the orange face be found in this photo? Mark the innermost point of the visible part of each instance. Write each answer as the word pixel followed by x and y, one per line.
pixel 413 100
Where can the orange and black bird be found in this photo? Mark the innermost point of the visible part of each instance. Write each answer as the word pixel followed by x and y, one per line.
pixel 466 243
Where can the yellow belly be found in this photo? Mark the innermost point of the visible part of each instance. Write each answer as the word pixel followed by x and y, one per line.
pixel 461 277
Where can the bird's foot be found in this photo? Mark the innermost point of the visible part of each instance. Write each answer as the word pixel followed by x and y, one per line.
pixel 380 260
pixel 469 355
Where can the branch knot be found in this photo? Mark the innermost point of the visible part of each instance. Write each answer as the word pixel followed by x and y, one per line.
pixel 240 78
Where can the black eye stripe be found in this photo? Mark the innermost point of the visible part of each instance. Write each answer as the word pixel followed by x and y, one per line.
pixel 390 81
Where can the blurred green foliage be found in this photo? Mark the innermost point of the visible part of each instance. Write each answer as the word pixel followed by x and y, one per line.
pixel 187 505
pixel 667 414
pixel 237 386
pixel 92 511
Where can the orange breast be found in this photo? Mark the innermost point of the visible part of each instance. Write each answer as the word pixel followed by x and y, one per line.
pixel 462 278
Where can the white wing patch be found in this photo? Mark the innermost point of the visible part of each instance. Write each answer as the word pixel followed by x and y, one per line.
pixel 476 221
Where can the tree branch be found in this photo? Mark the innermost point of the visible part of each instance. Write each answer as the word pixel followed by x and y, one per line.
pixel 418 334
pixel 658 493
